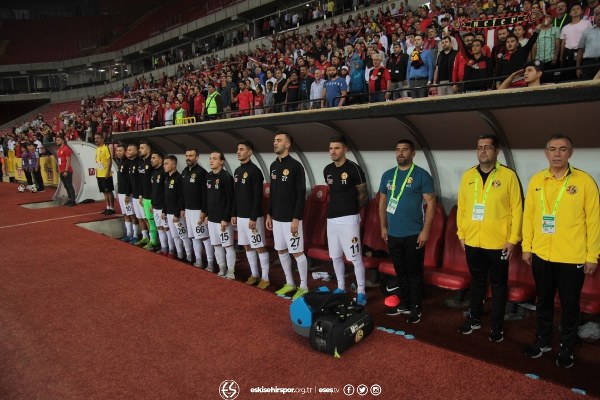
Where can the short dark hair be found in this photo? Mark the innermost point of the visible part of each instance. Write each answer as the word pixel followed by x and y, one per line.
pixel 287 135
pixel 447 38
pixel 220 153
pixel 419 35
pixel 133 145
pixel 194 150
pixel 557 136
pixel 468 34
pixel 247 143
pixel 494 138
pixel 158 154
pixel 147 143
pixel 171 158
pixel 408 142
pixel 338 139
pixel 121 145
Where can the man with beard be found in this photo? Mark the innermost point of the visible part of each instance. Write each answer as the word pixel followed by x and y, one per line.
pixel 334 89
pixel 122 163
pixel 157 198
pixel 133 192
pixel 145 174
pixel 173 210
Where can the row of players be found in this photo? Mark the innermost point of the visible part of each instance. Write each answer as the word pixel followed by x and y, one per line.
pixel 558 227
pixel 194 211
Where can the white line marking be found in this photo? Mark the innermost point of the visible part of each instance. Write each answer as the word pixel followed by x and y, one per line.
pixel 46 220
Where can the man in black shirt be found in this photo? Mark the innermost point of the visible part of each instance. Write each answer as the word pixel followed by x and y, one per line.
pixel 286 209
pixel 122 163
pixel 219 205
pixel 173 209
pixel 305 84
pixel 396 64
pixel 443 67
pixel 157 204
pixel 248 214
pixel 133 192
pixel 194 199
pixel 347 194
pixel 145 191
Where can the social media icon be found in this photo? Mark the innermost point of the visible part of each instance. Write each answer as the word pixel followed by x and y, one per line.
pixel 375 390
pixel 348 390
pixel 362 389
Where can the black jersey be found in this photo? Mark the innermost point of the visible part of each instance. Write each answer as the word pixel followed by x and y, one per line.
pixel 248 179
pixel 123 175
pixel 219 196
pixel 145 175
pixel 173 195
pixel 194 187
pixel 157 196
pixel 288 190
pixel 342 182
pixel 135 164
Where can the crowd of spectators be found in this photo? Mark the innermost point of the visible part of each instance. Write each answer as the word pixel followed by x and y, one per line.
pixel 371 56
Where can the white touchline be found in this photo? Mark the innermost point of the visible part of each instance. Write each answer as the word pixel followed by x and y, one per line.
pixel 46 220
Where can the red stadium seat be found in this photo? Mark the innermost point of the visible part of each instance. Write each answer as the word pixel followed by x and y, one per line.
pixel 590 294
pixel 315 220
pixel 521 286
pixel 454 273
pixel 372 237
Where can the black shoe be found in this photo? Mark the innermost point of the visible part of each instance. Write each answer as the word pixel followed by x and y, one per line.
pixel 109 211
pixel 539 347
pixel 70 203
pixel 415 315
pixel 104 212
pixel 401 309
pixel 565 357
pixel 496 334
pixel 469 326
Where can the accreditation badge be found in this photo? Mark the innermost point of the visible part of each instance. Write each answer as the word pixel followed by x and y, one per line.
pixel 478 211
pixel 548 224
pixel 391 208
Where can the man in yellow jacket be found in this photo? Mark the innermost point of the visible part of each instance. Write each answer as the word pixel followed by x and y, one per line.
pixel 561 241
pixel 489 216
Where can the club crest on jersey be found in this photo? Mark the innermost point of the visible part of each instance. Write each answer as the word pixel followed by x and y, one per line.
pixel 409 180
pixel 295 234
pixel 572 189
pixel 344 177
pixel 354 239
pixel 193 178
pixel 245 175
pixel 286 172
pixel 171 184
pixel 496 184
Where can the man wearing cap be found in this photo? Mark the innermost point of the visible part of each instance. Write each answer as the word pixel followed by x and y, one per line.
pixel 561 241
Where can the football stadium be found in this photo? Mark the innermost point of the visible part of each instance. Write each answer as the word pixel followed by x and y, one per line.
pixel 261 199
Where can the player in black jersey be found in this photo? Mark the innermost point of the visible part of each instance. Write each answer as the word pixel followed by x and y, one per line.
pixel 248 214
pixel 157 200
pixel 286 209
pixel 219 205
pixel 194 200
pixel 133 192
pixel 122 163
pixel 145 190
pixel 173 209
pixel 347 195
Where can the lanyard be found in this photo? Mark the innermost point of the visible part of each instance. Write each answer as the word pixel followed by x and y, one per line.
pixel 487 189
pixel 403 183
pixel 560 194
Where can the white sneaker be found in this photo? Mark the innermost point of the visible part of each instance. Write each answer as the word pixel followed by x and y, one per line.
pixel 210 268
pixel 198 264
pixel 230 275
pixel 221 271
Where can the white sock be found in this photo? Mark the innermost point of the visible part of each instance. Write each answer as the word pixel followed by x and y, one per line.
pixel 286 264
pixel 197 250
pixel 359 271
pixel 210 252
pixel 164 243
pixel 128 228
pixel 136 230
pixel 264 264
pixel 230 258
pixel 145 234
pixel 187 243
pixel 303 270
pixel 178 246
pixel 340 272
pixel 253 261
pixel 170 240
pixel 220 256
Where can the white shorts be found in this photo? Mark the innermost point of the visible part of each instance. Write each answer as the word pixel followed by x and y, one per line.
pixel 284 240
pixel 218 238
pixel 195 231
pixel 177 228
pixel 253 238
pixel 159 220
pixel 138 208
pixel 344 239
pixel 126 209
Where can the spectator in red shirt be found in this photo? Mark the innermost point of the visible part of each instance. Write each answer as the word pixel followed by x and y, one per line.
pixel 65 169
pixel 199 102
pixel 379 81
pixel 244 98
